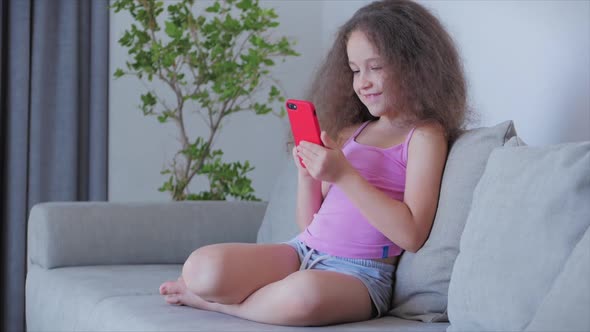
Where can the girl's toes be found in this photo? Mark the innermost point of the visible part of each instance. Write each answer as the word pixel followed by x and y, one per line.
pixel 170 287
pixel 173 299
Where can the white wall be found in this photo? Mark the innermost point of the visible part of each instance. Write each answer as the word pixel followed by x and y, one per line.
pixel 527 61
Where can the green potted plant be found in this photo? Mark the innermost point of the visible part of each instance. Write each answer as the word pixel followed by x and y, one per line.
pixel 213 64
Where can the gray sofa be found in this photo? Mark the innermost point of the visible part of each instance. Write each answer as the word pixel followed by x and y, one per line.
pixel 509 250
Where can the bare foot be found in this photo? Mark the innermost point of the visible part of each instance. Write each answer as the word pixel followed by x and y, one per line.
pixel 176 292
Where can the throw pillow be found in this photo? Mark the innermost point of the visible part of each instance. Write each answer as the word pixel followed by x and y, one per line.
pixel 422 278
pixel 529 210
pixel 565 308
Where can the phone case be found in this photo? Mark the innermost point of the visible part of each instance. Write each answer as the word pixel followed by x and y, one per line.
pixel 304 122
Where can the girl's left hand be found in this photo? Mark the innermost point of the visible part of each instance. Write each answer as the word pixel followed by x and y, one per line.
pixel 325 163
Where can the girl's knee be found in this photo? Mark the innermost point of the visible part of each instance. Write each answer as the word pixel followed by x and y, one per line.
pixel 203 271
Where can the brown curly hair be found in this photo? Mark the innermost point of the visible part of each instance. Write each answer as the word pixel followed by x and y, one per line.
pixel 422 62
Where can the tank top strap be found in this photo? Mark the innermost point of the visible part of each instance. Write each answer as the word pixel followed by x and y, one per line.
pixel 356 133
pixel 406 143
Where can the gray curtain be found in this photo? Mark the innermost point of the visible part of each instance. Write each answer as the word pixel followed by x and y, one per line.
pixel 54 121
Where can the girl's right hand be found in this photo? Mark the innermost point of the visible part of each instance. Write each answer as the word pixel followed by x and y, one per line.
pixel 301 170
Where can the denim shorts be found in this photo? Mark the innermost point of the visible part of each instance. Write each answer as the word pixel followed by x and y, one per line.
pixel 376 276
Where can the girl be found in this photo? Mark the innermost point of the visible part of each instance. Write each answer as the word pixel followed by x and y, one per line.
pixel 392 94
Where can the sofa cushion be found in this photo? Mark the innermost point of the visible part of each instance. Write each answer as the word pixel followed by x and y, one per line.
pixel 64 299
pixel 529 210
pixel 125 298
pixel 422 278
pixel 565 308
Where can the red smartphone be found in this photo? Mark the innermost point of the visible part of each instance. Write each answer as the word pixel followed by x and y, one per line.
pixel 304 122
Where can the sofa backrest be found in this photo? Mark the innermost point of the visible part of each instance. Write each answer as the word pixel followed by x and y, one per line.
pixel 278 224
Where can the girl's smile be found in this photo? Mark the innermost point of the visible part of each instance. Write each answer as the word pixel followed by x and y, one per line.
pixel 368 74
pixel 371 98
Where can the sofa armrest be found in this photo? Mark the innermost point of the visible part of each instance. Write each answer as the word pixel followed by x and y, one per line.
pixel 105 233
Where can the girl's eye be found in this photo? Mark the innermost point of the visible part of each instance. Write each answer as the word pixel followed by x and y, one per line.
pixel 376 68
pixel 355 71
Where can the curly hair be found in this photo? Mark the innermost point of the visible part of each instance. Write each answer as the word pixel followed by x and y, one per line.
pixel 421 59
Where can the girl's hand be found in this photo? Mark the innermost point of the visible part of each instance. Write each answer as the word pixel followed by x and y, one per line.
pixel 325 163
pixel 300 169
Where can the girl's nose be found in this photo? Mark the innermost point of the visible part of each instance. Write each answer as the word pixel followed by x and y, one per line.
pixel 364 81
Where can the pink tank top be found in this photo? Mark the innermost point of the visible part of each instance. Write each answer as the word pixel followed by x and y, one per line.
pixel 339 228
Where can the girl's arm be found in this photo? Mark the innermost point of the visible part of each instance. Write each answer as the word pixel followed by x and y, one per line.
pixel 309 200
pixel 406 223
pixel 310 194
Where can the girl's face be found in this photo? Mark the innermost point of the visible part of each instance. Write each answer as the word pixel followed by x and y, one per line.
pixel 369 78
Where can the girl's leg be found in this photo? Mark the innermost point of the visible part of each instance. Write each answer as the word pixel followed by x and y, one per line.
pixel 228 273
pixel 304 298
